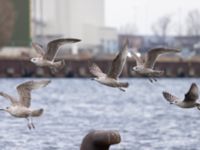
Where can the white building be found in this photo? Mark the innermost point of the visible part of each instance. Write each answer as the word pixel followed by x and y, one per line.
pixel 84 19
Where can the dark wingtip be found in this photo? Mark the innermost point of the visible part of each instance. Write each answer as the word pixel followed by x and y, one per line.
pixel 194 88
pixel 193 85
pixel 74 40
pixel 67 40
pixel 165 94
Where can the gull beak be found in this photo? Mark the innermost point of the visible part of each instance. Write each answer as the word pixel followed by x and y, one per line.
pixel 2 109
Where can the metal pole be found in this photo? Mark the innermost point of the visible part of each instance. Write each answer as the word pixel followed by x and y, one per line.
pixel 41 18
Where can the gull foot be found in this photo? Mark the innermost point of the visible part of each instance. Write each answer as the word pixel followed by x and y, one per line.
pixel 155 79
pixel 33 126
pixel 151 80
pixel 29 126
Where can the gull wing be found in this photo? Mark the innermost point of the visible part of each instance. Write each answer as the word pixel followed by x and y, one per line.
pixel 96 71
pixel 192 95
pixel 52 47
pixel 138 59
pixel 119 62
pixel 153 54
pixel 170 98
pixel 12 99
pixel 24 90
pixel 38 49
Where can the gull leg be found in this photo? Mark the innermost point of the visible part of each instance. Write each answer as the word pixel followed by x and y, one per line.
pixel 151 80
pixel 155 79
pixel 33 126
pixel 29 125
pixel 121 89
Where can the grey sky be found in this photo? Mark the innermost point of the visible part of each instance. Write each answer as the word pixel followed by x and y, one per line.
pixel 143 13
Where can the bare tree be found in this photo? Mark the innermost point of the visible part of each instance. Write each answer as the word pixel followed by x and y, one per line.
pixel 7 20
pixel 161 27
pixel 193 23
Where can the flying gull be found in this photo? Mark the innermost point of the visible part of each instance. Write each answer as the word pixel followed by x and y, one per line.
pixel 48 58
pixel 189 101
pixel 111 79
pixel 21 108
pixel 145 67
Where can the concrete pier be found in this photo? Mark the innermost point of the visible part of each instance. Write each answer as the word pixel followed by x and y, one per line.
pixel 79 68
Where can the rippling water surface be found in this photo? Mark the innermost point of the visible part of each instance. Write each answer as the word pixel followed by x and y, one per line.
pixel 73 107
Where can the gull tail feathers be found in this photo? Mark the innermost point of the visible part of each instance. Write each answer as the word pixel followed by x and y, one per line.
pixel 158 73
pixel 124 84
pixel 169 97
pixel 59 65
pixel 37 112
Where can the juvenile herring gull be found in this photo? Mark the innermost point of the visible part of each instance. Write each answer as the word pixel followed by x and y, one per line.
pixel 100 140
pixel 111 79
pixel 48 58
pixel 189 101
pixel 21 108
pixel 145 67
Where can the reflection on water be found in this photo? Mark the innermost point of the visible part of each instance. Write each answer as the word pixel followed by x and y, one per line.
pixel 75 106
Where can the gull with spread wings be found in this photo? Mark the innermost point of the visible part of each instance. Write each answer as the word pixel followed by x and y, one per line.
pixel 145 67
pixel 111 79
pixel 189 101
pixel 48 58
pixel 21 108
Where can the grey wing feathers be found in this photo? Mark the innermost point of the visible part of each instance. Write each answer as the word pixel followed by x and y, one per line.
pixel 118 63
pixel 53 46
pixel 169 97
pixel 153 54
pixel 192 94
pixel 139 60
pixel 25 89
pixel 38 49
pixel 96 71
pixel 12 99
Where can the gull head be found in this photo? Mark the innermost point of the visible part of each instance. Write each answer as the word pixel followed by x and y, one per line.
pixel 6 109
pixel 35 59
pixel 136 69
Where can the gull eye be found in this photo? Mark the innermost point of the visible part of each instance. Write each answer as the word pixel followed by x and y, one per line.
pixel 33 59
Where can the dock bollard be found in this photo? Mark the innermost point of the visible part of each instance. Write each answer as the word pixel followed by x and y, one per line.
pixel 100 140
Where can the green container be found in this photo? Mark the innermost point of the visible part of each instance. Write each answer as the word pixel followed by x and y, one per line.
pixel 22 34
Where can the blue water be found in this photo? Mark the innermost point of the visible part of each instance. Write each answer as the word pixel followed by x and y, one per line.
pixel 73 107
